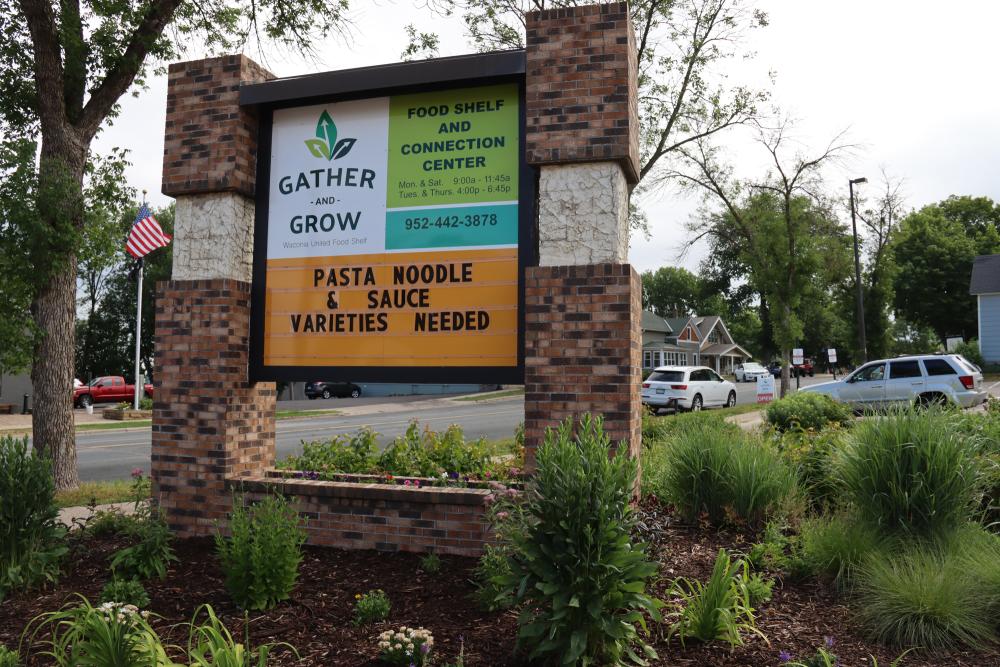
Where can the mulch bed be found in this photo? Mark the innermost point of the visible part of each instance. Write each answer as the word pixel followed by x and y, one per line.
pixel 317 620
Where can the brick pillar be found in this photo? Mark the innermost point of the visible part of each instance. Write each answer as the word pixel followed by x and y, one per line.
pixel 209 422
pixel 583 301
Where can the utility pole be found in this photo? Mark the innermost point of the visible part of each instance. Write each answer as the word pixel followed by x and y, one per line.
pixel 857 273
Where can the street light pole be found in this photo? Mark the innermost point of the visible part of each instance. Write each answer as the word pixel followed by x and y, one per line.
pixel 857 274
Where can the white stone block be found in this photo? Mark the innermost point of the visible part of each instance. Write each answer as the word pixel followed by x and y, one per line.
pixel 582 214
pixel 213 237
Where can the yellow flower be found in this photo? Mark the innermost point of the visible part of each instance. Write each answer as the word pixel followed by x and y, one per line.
pixel 358 596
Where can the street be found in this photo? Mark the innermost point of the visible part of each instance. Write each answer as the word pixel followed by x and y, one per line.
pixel 107 455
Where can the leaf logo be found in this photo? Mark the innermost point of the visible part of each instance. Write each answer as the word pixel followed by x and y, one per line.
pixel 325 145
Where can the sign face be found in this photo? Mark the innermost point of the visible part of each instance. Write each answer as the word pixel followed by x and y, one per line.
pixel 393 227
pixel 951 343
pixel 832 353
pixel 797 356
pixel 765 388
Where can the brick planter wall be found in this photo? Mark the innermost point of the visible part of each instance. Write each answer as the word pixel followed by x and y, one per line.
pixel 380 516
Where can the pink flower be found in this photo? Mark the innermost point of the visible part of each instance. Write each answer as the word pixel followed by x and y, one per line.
pixel 416 482
pixel 137 473
pixel 503 515
pixel 406 483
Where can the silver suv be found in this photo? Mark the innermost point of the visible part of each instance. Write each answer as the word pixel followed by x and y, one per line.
pixel 924 379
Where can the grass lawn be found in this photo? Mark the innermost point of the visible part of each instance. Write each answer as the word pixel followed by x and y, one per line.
pixel 103 493
pixel 498 394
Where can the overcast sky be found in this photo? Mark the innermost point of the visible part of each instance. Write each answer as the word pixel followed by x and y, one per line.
pixel 911 80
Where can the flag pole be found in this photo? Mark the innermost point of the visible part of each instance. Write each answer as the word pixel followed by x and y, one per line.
pixel 138 327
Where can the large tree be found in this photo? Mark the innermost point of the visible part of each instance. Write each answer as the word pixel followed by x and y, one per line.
pixel 782 227
pixel 682 45
pixel 933 250
pixel 65 66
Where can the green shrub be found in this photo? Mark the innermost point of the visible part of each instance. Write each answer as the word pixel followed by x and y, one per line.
pixel 356 454
pixel 757 587
pixel 212 645
pixel 834 547
pixel 910 473
pixel 125 591
pixel 718 610
pixel 725 474
pixel 769 554
pixel 927 596
pixel 8 658
pixel 429 453
pixel 151 554
pixel 575 570
pixel 807 410
pixel 31 539
pixel 431 563
pixel 372 607
pixel 145 403
pixel 970 350
pixel 111 521
pixel 261 557
pixel 811 454
pixel 110 634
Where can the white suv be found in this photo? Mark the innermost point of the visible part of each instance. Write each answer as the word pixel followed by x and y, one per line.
pixel 749 372
pixel 687 388
pixel 912 380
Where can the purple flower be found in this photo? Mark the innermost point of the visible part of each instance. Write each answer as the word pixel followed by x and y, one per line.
pixel 453 475
pixel 828 641
pixel 425 649
pixel 785 656
pixel 137 473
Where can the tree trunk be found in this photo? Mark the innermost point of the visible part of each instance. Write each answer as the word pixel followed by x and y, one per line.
pixel 61 167
pixel 785 368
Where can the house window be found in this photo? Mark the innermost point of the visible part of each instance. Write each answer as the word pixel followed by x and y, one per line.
pixel 647 359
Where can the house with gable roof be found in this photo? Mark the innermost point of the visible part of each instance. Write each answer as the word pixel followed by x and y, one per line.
pixel 689 341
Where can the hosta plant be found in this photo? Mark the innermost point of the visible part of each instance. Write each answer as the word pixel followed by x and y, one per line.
pixel 576 572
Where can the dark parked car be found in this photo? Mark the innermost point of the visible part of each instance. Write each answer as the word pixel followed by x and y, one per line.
pixel 330 389
pixel 799 370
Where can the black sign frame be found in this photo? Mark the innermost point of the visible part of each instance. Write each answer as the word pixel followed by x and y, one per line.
pixel 386 80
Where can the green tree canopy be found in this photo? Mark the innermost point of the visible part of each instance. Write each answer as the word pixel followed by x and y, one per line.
pixel 933 251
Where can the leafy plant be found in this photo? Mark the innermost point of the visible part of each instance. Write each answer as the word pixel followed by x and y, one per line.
pixel 372 607
pixel 110 635
pixel 261 557
pixel 146 404
pixel 150 555
pixel 431 563
pixel 807 411
pixel 31 539
pixel 8 658
pixel 125 591
pixel 493 568
pixel 111 521
pixel 811 455
pixel 211 645
pixel 769 554
pixel 576 573
pixel 835 546
pixel 758 588
pixel 406 646
pixel 718 610
pixel 910 473
pixel 928 596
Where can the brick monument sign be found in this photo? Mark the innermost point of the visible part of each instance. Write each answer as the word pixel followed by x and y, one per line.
pixel 479 233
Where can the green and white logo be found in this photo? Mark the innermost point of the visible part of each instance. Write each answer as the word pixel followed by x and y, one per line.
pixel 326 145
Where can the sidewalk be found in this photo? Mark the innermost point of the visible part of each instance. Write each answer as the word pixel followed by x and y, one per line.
pixel 23 422
pixel 747 421
pixel 68 515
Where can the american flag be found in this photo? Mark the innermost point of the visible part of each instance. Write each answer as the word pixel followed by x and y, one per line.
pixel 146 234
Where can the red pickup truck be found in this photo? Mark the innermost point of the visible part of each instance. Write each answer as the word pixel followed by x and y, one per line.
pixel 107 389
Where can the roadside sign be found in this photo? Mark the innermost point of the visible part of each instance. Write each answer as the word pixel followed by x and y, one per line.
pixel 832 353
pixel 797 356
pixel 951 343
pixel 388 237
pixel 765 388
